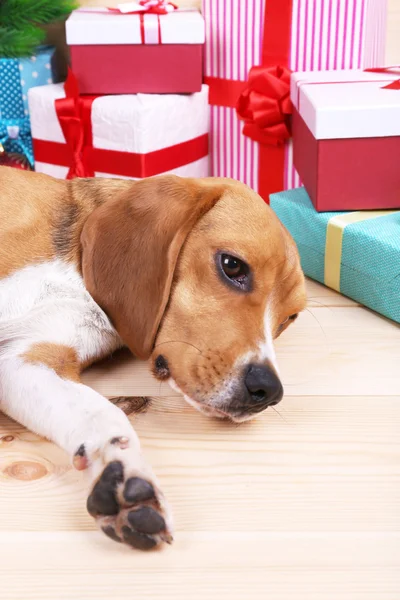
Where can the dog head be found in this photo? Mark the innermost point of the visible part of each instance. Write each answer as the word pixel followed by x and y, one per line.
pixel 198 276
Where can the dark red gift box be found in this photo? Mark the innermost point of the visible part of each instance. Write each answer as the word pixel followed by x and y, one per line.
pixel 114 52
pixel 346 138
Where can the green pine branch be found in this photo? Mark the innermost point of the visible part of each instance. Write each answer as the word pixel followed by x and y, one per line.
pixel 21 21
pixel 15 43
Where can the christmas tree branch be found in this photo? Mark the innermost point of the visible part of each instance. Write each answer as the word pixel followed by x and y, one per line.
pixel 15 43
pixel 16 13
pixel 20 22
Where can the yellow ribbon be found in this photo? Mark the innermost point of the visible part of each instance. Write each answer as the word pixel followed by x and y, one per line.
pixel 334 242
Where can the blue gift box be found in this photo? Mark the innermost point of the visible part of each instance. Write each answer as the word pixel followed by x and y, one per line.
pixel 355 253
pixel 17 76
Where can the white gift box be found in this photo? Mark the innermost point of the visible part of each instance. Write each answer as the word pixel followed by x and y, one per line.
pixel 127 136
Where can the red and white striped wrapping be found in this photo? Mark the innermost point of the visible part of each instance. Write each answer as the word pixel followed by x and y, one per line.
pixel 324 35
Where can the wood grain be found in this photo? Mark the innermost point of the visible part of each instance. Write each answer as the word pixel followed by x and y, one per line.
pixel 302 503
pixel 60 566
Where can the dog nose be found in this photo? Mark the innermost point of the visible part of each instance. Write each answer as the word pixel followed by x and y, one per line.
pixel 263 386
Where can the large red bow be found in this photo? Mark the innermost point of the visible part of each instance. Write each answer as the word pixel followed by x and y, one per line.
pixel 73 114
pixel 265 106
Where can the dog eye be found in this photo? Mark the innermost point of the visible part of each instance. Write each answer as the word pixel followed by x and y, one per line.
pixel 232 267
pixel 236 270
pixel 290 318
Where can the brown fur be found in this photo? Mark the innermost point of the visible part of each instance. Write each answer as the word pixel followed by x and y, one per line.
pixel 42 217
pixel 147 252
pixel 131 246
pixel 26 218
pixel 207 325
pixel 62 359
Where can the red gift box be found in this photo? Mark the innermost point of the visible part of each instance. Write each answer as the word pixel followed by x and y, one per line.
pixel 114 52
pixel 248 45
pixel 346 138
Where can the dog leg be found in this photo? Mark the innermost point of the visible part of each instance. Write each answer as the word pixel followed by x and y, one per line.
pixel 124 498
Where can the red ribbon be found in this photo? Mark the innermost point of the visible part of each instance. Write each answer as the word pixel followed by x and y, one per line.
pixel 393 85
pixel 74 116
pixel 159 7
pixel 155 7
pixel 265 106
pixel 149 7
pixel 83 160
pixel 263 102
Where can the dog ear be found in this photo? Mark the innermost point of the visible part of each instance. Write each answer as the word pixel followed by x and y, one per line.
pixel 130 248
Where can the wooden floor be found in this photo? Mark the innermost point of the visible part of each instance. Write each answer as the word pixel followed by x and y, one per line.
pixel 301 504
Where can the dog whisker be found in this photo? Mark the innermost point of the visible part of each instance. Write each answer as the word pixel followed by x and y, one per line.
pixel 278 413
pixel 314 300
pixel 178 342
pixel 209 350
pixel 319 324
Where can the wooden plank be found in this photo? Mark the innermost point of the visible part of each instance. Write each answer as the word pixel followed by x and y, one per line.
pixel 229 566
pixel 321 464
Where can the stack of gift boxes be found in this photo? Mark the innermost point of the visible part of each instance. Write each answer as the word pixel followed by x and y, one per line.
pixel 279 90
pixel 134 104
pixel 346 145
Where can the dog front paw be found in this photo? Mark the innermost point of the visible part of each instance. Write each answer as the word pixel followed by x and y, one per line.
pixel 128 506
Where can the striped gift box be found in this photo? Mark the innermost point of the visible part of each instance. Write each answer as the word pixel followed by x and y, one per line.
pixel 320 34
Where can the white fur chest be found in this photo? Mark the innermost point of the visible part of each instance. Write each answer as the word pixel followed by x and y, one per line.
pixel 48 302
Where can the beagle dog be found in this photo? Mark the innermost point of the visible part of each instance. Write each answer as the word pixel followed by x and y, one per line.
pixel 197 276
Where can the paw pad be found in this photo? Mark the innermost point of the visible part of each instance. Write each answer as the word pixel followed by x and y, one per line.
pixel 128 511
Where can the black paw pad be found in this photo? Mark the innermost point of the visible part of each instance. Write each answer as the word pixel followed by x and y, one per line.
pixel 138 540
pixel 102 500
pixel 111 533
pixel 138 490
pixel 146 520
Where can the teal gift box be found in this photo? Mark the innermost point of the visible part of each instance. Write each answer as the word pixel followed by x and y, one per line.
pixel 355 253
pixel 17 76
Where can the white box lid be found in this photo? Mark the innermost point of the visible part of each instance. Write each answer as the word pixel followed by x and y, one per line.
pixel 101 26
pixel 347 104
